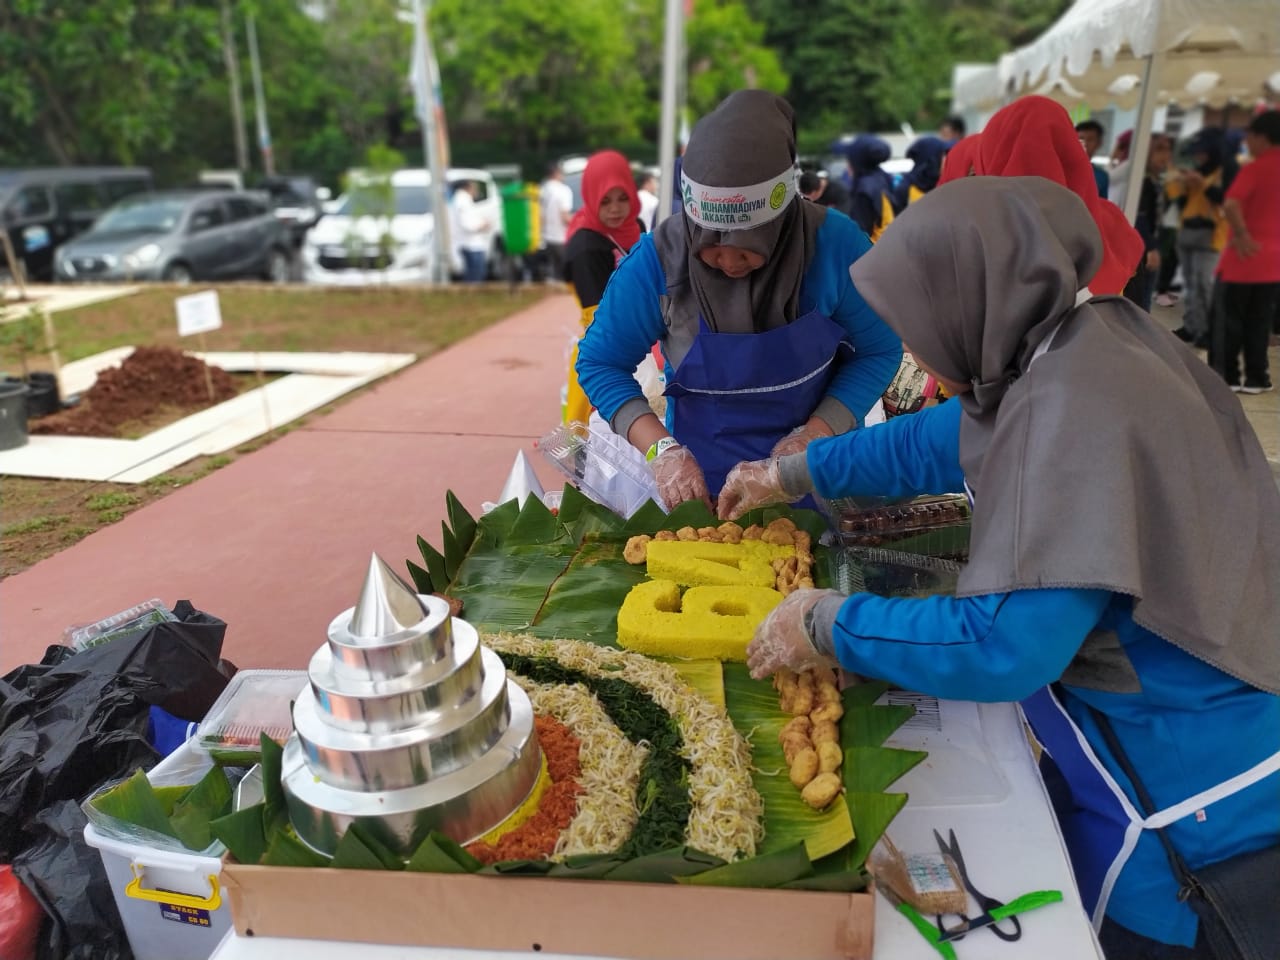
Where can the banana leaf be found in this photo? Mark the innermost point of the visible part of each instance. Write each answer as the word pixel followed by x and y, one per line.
pixel 583 602
pixel 753 706
pixel 272 789
pixel 768 870
pixel 504 588
pixel 353 854
pixel 206 801
pixel 243 833
pixel 421 579
pixel 705 676
pixel 284 849
pixel 434 560
pixel 135 801
pixel 463 524
pixel 441 854
pixel 586 866
pixel 665 866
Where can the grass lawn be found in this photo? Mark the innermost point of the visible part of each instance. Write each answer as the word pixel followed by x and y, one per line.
pixel 40 517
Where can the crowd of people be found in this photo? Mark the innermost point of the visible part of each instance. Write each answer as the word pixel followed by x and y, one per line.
pixel 1140 636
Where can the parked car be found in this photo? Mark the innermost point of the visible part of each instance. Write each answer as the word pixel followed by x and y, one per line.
pixel 180 236
pixel 382 231
pixel 44 208
pixel 296 201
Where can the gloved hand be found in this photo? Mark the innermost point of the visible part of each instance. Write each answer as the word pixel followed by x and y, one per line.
pixel 783 639
pixel 679 478
pixel 800 437
pixel 751 484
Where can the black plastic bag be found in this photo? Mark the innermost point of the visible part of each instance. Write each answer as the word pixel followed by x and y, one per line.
pixel 67 877
pixel 72 723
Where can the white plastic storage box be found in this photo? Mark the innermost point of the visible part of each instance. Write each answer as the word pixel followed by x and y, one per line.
pixel 171 903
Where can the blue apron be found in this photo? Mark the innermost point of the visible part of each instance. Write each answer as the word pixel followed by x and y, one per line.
pixel 739 394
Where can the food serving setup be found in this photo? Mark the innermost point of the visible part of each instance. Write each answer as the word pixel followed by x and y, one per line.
pixel 550 737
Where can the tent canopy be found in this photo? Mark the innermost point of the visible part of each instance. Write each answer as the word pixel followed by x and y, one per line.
pixel 1214 52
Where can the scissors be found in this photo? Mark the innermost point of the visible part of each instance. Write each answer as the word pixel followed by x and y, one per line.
pixel 993 911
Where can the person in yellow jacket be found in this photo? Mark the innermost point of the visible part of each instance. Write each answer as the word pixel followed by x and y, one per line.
pixel 1202 229
pixel 601 233
pixel 871 205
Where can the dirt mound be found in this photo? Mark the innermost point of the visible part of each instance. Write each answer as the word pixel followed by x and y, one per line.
pixel 152 380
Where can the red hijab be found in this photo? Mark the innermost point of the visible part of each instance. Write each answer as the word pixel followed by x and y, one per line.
pixel 961 158
pixel 606 170
pixel 1034 137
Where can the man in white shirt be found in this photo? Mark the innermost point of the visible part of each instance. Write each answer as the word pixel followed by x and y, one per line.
pixel 647 188
pixel 471 232
pixel 555 201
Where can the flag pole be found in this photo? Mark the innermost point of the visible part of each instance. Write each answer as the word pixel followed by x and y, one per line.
pixel 671 48
pixel 424 100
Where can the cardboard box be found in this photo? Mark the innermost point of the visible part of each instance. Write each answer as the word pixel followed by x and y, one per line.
pixel 600 918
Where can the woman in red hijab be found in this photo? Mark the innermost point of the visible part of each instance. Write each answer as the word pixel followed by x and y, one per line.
pixel 599 236
pixel 1034 137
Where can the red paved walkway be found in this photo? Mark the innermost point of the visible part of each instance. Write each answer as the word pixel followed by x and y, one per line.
pixel 277 542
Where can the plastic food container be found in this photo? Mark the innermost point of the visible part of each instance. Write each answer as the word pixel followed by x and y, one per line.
pixel 255 702
pixel 890 573
pixel 932 526
pixel 600 464
pixel 108 628
pixel 171 903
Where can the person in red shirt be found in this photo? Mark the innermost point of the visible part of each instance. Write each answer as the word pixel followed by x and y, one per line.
pixel 1250 266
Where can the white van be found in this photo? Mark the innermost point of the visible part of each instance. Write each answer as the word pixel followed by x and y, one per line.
pixel 382 231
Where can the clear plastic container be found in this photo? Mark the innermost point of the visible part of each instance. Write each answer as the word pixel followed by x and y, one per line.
pixel 600 464
pixel 255 702
pixel 889 573
pixel 932 526
pixel 137 617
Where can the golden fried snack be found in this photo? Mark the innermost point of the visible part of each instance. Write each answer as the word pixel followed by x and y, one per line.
pixel 805 583
pixel 778 563
pixel 794 745
pixel 730 532
pixel 821 790
pixel 783 677
pixel 804 767
pixel 637 549
pixel 824 677
pixel 830 756
pixel 804 542
pixel 781 538
pixel 752 532
pixel 782 523
pixel 824 731
pixel 665 535
pixel 686 533
pixel 710 534
pixel 829 712
pixel 828 692
pixel 803 702
pixel 796 725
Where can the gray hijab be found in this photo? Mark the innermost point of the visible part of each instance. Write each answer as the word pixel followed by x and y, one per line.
pixel 1119 461
pixel 748 140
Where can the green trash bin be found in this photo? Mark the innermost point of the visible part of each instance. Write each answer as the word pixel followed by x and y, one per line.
pixel 519 212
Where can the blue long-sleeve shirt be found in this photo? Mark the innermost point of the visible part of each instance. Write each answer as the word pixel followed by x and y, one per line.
pixel 1178 719
pixel 630 320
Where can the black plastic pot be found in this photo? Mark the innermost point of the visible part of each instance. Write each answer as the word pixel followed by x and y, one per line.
pixel 13 414
pixel 43 397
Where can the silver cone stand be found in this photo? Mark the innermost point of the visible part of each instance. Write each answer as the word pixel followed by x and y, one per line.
pixel 408 725
pixel 522 483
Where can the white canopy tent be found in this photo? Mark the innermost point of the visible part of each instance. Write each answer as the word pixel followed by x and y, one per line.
pixel 1148 52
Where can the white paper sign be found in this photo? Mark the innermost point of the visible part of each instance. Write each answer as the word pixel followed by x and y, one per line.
pixel 198 313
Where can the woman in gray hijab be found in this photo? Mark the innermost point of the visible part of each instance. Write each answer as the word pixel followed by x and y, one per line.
pixel 1124 572
pixel 766 342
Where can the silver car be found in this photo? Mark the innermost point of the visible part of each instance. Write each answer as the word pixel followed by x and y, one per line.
pixel 180 236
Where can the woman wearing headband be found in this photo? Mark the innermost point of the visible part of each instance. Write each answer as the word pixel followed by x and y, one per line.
pixel 1123 580
pixel 767 344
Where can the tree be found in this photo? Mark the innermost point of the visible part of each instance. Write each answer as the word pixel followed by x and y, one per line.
pixel 100 82
pixel 547 73
pixel 726 52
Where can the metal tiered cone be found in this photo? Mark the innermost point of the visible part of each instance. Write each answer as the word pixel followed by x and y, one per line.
pixel 521 483
pixel 408 725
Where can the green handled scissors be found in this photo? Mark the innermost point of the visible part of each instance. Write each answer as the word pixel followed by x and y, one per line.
pixel 941 941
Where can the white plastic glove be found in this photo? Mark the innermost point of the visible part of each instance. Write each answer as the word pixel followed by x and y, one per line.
pixel 783 639
pixel 798 439
pixel 751 484
pixel 678 476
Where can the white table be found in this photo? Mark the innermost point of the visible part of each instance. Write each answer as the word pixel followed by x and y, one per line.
pixel 980 779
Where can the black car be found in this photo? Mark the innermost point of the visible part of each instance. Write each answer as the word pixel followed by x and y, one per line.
pixel 43 208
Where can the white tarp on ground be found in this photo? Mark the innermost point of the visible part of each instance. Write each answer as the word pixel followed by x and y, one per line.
pixel 1215 52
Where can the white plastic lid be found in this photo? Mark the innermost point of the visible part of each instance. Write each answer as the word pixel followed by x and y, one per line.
pixel 255 702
